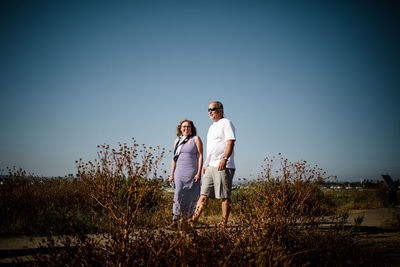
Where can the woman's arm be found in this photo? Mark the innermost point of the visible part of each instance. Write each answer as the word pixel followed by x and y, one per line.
pixel 173 164
pixel 199 145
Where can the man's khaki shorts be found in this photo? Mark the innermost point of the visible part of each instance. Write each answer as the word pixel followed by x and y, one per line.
pixel 217 184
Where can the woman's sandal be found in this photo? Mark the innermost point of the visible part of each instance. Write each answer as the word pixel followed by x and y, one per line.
pixel 221 225
pixel 191 223
pixel 173 226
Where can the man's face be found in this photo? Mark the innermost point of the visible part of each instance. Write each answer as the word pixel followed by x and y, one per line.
pixel 214 112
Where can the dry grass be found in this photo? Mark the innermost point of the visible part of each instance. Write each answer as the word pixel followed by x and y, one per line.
pixel 358 199
pixel 31 205
pixel 394 223
pixel 277 219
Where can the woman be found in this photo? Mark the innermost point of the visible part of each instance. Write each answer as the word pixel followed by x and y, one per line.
pixel 186 168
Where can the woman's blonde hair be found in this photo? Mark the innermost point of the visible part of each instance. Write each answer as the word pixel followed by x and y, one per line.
pixel 178 128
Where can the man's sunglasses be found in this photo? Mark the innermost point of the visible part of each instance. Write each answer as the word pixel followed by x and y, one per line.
pixel 212 109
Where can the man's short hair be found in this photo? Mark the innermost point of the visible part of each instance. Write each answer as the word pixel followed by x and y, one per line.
pixel 219 104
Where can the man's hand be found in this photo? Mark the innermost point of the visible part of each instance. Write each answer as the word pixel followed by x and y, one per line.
pixel 229 149
pixel 222 165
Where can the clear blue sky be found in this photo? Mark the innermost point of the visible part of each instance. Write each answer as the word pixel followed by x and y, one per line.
pixel 314 80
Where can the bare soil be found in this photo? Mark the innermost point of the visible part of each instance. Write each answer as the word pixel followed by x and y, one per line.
pixel 379 235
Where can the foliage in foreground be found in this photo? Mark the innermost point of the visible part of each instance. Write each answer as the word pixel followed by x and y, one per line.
pixel 31 205
pixel 278 222
pixel 278 218
pixel 214 247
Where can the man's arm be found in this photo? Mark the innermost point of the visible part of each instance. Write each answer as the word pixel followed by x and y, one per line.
pixel 228 152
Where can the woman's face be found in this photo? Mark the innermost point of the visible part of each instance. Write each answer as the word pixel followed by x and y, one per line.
pixel 186 129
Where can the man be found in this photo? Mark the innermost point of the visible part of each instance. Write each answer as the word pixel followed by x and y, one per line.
pixel 219 166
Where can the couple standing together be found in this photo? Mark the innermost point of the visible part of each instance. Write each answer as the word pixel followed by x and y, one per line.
pixel 187 167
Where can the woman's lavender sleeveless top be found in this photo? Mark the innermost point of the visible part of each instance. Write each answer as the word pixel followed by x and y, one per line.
pixel 186 165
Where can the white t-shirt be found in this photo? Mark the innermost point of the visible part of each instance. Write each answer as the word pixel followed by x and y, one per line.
pixel 218 135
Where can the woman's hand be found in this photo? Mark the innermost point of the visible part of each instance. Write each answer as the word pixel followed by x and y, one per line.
pixel 171 179
pixel 197 177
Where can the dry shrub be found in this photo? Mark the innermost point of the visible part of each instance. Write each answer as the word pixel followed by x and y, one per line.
pixel 34 205
pixel 124 182
pixel 279 221
pixel 287 197
pixel 284 209
pixel 214 247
